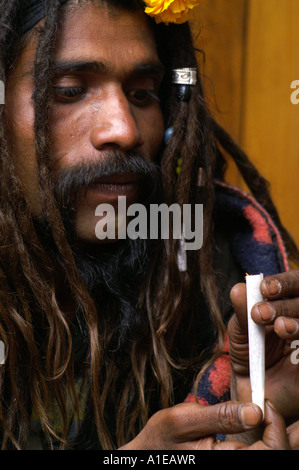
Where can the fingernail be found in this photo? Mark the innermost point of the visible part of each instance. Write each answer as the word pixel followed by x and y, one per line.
pixel 250 415
pixel 291 326
pixel 269 402
pixel 266 311
pixel 272 286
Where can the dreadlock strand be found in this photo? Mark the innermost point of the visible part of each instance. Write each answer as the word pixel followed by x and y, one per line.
pixel 42 99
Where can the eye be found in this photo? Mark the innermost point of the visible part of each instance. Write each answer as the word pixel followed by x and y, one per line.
pixel 69 94
pixel 143 97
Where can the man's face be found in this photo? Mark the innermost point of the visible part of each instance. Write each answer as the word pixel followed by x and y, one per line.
pixel 107 75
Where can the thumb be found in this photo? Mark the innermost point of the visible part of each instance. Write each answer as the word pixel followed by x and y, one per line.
pixel 239 302
pixel 275 435
pixel 237 330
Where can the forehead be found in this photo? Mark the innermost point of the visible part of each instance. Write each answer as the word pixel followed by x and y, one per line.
pixel 98 32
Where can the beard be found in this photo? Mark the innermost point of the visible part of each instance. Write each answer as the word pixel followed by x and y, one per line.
pixel 113 273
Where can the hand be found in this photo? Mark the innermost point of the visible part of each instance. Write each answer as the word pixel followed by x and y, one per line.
pixel 293 435
pixel 274 436
pixel 279 313
pixel 190 426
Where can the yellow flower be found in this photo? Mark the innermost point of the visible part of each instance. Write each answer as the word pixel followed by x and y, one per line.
pixel 170 11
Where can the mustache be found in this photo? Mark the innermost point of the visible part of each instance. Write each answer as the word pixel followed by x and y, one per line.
pixel 71 181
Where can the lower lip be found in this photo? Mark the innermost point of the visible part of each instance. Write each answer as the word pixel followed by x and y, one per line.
pixel 108 193
pixel 115 189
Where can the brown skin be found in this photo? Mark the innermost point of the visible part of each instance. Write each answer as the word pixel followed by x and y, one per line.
pixel 279 313
pixel 114 108
pixel 193 427
pixel 293 435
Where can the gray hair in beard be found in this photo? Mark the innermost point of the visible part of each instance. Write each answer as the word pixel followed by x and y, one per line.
pixel 111 272
pixel 70 181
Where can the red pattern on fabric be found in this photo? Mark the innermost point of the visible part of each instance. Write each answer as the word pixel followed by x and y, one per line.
pixel 220 376
pixel 191 399
pixel 280 243
pixel 260 227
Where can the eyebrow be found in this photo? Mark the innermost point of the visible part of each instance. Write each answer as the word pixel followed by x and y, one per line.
pixel 61 67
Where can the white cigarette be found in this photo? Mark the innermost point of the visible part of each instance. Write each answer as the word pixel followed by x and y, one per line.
pixel 256 340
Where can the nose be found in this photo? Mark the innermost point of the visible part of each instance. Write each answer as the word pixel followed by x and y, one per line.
pixel 114 124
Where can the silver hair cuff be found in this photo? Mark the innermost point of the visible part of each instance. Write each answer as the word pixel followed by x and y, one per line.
pixel 186 76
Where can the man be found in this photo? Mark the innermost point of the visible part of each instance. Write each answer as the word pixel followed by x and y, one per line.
pixel 104 340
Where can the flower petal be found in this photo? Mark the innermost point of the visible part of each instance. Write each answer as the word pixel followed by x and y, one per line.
pixel 170 11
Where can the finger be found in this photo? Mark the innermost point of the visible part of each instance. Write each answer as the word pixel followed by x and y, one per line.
pixel 281 285
pixel 293 434
pixel 229 445
pixel 275 435
pixel 287 328
pixel 238 339
pixel 265 313
pixel 238 330
pixel 189 422
pixel 239 301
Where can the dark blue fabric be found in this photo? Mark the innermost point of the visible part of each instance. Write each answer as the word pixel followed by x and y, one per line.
pixel 253 255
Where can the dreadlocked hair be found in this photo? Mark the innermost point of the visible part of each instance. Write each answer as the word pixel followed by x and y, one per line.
pixel 36 332
pixel 27 277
